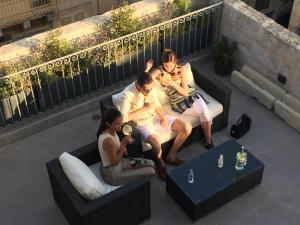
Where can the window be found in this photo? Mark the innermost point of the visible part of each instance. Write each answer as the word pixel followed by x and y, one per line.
pixel 5 38
pixel 66 20
pixel 262 4
pixel 79 16
pixel 287 1
pixel 39 22
pixel 39 3
pixel 270 14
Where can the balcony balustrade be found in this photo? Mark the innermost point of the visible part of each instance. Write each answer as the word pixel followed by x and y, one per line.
pixel 52 83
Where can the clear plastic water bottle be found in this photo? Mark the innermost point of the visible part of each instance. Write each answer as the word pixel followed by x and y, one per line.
pixel 220 161
pixel 191 176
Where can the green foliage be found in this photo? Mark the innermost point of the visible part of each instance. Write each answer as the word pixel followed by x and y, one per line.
pixel 54 47
pixel 3 85
pixel 181 7
pixel 122 21
pixel 3 69
pixel 91 40
pixel 222 52
pixel 176 9
pixel 14 85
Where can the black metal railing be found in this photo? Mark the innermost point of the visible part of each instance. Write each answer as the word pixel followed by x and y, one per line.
pixel 44 86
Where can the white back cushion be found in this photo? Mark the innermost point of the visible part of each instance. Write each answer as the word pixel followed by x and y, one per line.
pixel 189 76
pixel 292 102
pixel 81 177
pixel 264 82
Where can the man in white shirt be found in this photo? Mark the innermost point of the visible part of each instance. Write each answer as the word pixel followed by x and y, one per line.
pixel 138 102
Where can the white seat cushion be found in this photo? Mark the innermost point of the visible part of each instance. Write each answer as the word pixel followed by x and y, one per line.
pixel 215 108
pixel 264 98
pixel 247 86
pixel 287 113
pixel 81 177
pixel 243 83
pixel 292 102
pixel 263 82
pixel 189 76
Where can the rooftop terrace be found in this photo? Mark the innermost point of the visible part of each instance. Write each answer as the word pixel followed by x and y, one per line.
pixel 269 48
pixel 27 199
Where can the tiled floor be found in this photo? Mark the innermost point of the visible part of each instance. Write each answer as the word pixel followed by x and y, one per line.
pixel 26 196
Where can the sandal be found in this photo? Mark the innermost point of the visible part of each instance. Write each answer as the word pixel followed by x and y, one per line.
pixel 175 162
pixel 209 146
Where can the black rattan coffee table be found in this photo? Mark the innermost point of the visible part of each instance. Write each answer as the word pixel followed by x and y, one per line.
pixel 212 187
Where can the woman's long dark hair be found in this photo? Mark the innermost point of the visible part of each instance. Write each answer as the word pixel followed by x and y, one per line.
pixel 109 117
pixel 168 56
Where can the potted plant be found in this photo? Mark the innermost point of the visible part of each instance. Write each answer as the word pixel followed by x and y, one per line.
pixel 16 98
pixel 126 58
pixel 222 53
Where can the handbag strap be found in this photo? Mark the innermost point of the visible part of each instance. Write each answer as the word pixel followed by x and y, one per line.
pixel 241 117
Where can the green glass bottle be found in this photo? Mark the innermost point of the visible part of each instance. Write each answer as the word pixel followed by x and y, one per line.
pixel 241 159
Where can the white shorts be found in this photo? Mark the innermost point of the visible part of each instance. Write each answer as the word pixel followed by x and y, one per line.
pixel 200 110
pixel 154 127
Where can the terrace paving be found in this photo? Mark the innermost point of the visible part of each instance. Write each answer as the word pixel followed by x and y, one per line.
pixel 26 196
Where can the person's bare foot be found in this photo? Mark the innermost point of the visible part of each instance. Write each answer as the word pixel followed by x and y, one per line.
pixel 161 171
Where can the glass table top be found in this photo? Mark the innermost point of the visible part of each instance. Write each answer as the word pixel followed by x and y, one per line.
pixel 208 178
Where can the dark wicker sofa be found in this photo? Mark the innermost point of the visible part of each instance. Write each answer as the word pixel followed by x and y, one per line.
pixel 216 89
pixel 110 209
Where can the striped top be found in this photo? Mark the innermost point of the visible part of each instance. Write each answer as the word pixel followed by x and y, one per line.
pixel 173 94
pixel 179 102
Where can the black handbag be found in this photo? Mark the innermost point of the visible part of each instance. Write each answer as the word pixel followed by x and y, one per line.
pixel 241 127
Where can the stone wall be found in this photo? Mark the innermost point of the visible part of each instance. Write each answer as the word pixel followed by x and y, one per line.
pixel 262 44
pixel 295 18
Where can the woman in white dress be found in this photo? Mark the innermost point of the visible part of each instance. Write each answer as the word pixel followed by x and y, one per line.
pixel 115 168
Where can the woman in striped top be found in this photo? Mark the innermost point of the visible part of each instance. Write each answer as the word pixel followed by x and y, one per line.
pixel 173 77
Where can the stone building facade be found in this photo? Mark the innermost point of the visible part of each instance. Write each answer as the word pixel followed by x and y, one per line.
pixel 278 10
pixel 262 44
pixel 24 18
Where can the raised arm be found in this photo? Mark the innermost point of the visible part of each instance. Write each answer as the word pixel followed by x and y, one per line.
pixel 183 88
pixel 115 155
pixel 166 80
pixel 149 65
